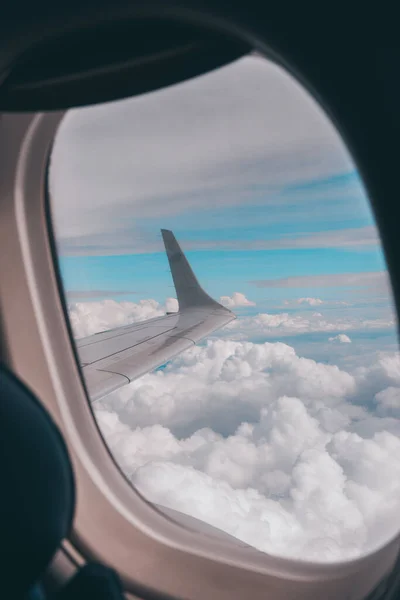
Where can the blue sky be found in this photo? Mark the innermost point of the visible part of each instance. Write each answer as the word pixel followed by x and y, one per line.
pixel 220 272
pixel 220 245
pixel 255 182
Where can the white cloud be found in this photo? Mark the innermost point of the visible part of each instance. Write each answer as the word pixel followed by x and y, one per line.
pixel 208 142
pixel 171 305
pixel 388 402
pixel 310 301
pixel 351 238
pixel 287 454
pixel 90 317
pixel 341 338
pixel 370 279
pixel 261 443
pixel 280 323
pixel 314 302
pixel 271 325
pixel 378 323
pixel 211 385
pixel 362 238
pixel 236 300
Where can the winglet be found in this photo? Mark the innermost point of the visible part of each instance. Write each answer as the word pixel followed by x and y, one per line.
pixel 188 290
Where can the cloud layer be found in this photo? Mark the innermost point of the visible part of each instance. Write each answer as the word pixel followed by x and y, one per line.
pixel 266 445
pixel 245 132
pixel 236 300
pixel 292 456
pixel 370 279
pixel 89 317
pixel 341 338
pixel 310 301
pixel 283 324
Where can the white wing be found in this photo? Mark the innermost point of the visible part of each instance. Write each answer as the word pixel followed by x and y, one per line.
pixel 114 358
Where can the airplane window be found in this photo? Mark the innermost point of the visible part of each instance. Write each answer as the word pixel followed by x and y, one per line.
pixel 232 195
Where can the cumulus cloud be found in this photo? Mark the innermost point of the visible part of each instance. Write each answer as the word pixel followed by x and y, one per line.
pixel 236 300
pixel 264 444
pixel 341 338
pixel 90 317
pixel 266 324
pixel 295 457
pixel 309 301
pixel 211 384
pixel 171 305
pixel 388 402
pixel 271 325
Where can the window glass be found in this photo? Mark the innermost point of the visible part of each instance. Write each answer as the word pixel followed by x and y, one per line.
pixel 281 427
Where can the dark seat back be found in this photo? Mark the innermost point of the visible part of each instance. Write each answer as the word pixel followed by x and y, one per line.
pixel 37 496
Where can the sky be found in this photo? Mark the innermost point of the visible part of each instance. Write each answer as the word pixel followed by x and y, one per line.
pixel 280 418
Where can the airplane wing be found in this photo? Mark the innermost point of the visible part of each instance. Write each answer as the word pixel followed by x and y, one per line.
pixel 111 359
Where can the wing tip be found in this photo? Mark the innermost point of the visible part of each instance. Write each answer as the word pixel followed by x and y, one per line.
pixel 169 239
